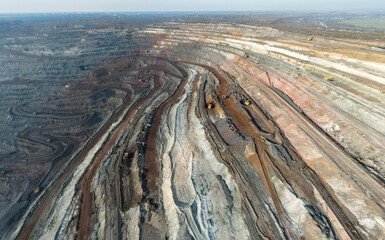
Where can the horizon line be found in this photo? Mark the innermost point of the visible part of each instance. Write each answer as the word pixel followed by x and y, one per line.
pixel 371 10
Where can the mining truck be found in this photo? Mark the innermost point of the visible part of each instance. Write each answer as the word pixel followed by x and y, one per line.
pixel 246 102
pixel 210 105
pixel 329 78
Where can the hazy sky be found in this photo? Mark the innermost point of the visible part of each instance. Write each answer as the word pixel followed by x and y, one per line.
pixel 17 6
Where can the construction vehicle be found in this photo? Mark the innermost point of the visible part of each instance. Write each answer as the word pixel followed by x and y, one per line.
pixel 310 38
pixel 329 78
pixel 247 55
pixel 246 102
pixel 82 67
pixel 37 190
pixel 210 105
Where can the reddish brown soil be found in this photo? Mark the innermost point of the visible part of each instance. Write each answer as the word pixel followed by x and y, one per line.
pixel 47 198
pixel 86 205
pixel 245 126
pixel 151 163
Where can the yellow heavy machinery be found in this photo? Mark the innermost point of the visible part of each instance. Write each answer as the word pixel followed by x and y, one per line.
pixel 210 105
pixel 310 38
pixel 329 78
pixel 246 102
pixel 37 190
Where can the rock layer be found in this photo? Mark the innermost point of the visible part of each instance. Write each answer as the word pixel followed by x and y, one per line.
pixel 227 131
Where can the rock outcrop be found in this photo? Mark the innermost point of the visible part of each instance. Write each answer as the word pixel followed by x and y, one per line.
pixel 203 131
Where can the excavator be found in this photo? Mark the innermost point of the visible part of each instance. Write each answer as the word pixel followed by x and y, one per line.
pixel 210 105
pixel 246 102
pixel 329 78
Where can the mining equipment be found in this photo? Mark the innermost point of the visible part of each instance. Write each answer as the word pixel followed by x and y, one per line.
pixel 37 190
pixel 82 67
pixel 310 38
pixel 247 55
pixel 210 105
pixel 329 78
pixel 246 102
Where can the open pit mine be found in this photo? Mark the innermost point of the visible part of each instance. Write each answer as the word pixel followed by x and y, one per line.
pixel 131 128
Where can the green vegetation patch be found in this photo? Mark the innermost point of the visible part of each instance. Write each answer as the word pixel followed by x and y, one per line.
pixel 378 23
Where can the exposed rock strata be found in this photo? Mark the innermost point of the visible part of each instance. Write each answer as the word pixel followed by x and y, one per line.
pixel 231 132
